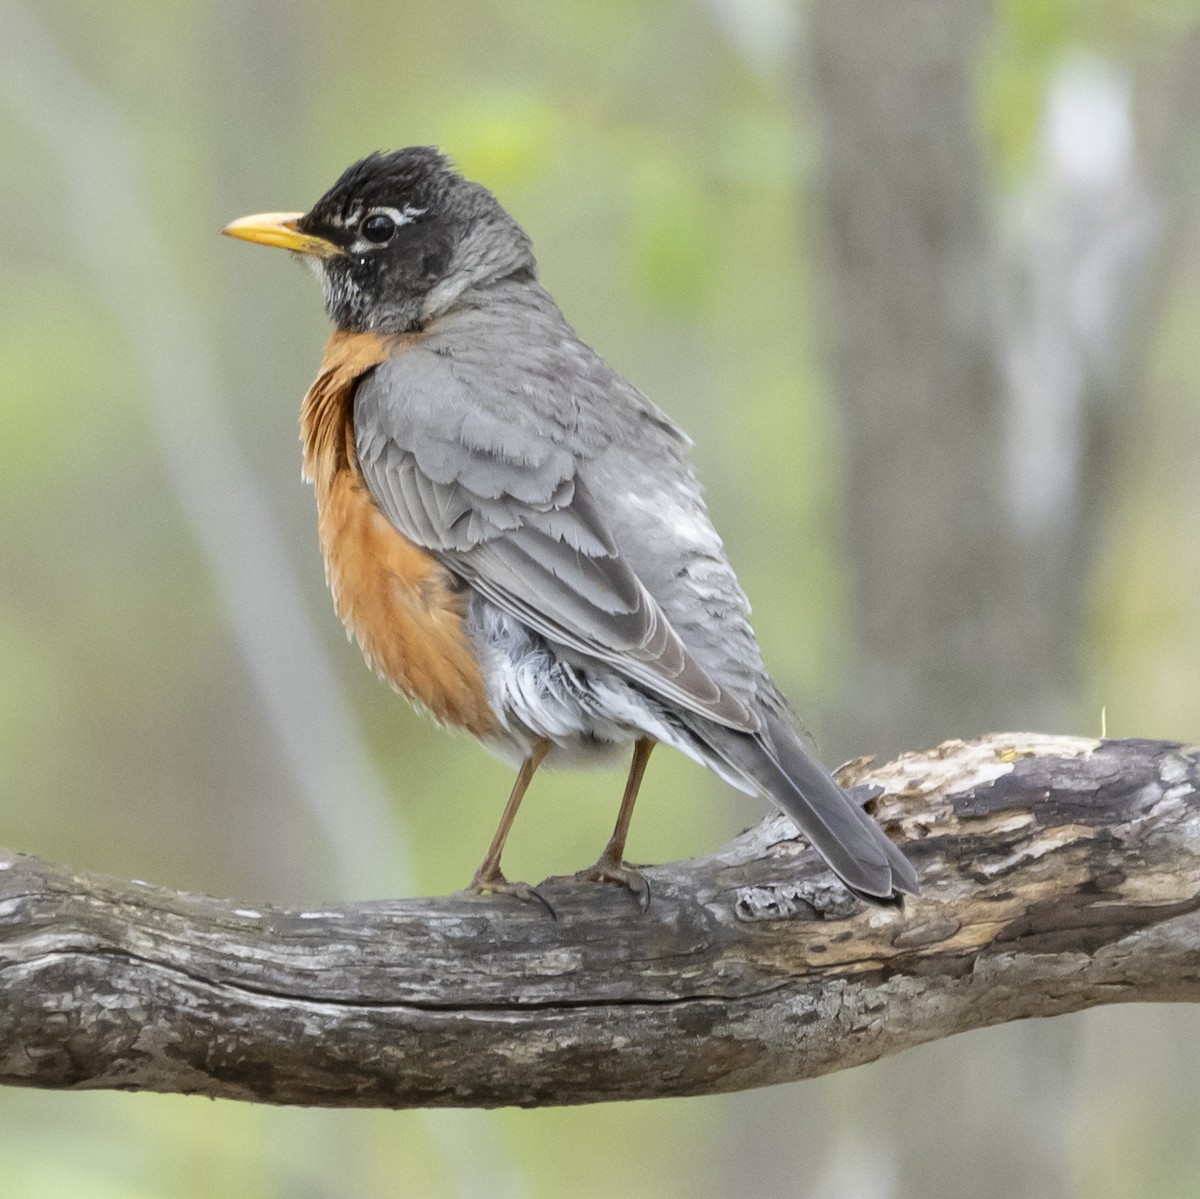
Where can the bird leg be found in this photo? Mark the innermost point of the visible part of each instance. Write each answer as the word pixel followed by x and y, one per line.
pixel 610 867
pixel 489 878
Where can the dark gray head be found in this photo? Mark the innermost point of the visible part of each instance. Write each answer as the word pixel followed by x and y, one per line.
pixel 398 239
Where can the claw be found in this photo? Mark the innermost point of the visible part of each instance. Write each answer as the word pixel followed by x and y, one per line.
pixel 497 884
pixel 611 870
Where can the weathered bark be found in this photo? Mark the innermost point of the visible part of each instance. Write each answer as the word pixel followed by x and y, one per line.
pixel 1058 873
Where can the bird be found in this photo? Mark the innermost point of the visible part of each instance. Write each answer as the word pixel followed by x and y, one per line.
pixel 515 535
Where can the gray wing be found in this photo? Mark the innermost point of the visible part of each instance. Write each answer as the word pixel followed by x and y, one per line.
pixel 502 505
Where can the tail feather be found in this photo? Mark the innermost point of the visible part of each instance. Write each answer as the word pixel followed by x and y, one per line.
pixel 856 848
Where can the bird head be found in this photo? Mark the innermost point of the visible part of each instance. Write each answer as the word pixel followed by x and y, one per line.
pixel 397 240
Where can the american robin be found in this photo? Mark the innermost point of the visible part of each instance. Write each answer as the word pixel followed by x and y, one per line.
pixel 514 534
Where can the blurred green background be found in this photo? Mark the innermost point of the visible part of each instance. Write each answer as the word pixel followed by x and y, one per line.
pixel 923 281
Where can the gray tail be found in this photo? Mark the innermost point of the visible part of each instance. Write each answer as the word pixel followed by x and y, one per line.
pixel 855 847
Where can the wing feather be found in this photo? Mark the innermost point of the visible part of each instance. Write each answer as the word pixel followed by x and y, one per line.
pixel 504 507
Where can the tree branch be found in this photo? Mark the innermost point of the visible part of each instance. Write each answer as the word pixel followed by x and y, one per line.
pixel 1058 873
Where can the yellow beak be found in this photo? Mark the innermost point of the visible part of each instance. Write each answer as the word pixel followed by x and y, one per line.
pixel 279 229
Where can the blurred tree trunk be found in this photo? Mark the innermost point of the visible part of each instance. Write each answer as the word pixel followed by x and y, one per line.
pixel 920 387
pixel 985 390
pixel 920 391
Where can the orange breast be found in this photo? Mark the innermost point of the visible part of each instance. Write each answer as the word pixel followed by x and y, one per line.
pixel 398 601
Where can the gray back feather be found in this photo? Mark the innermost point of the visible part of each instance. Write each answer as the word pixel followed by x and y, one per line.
pixel 489 460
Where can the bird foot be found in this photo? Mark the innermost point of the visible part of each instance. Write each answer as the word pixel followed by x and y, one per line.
pixel 492 882
pixel 612 870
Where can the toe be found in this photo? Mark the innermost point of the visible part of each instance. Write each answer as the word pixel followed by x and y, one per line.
pixel 497 884
pixel 608 871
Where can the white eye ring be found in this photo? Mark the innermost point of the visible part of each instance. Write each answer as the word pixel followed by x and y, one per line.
pixel 400 216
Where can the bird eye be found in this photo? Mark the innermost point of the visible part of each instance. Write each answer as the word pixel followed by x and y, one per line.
pixel 378 228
